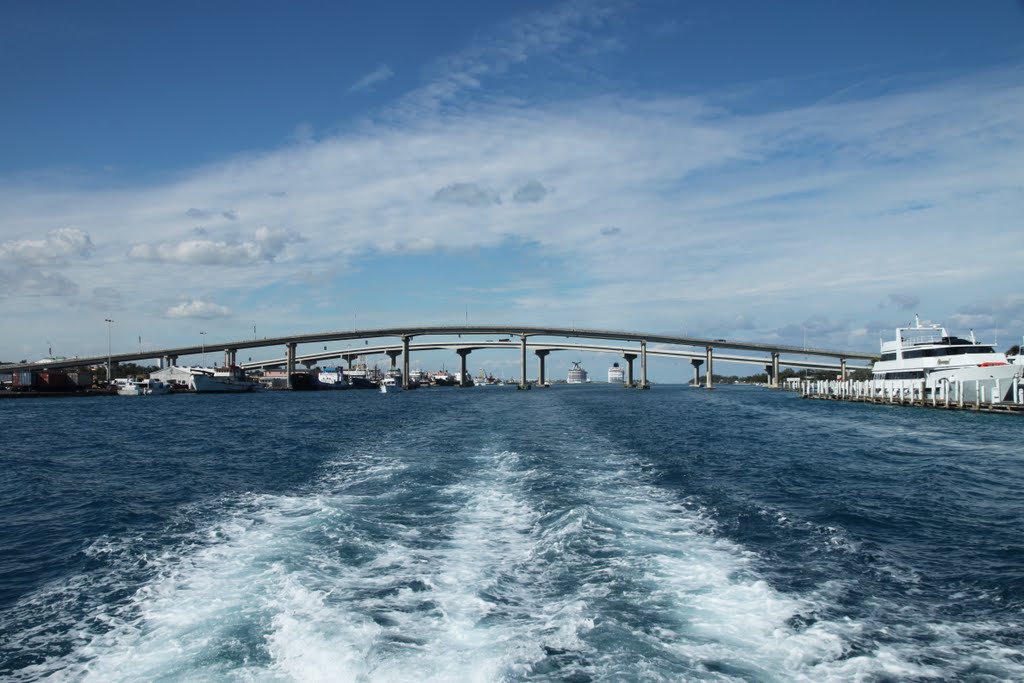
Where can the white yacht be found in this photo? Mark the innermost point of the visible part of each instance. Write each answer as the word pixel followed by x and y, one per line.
pixel 926 352
pixel 577 375
pixel 616 374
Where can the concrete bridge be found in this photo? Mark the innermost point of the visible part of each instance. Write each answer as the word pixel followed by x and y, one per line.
pixel 773 359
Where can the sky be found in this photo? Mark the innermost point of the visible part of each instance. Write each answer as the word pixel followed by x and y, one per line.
pixel 797 173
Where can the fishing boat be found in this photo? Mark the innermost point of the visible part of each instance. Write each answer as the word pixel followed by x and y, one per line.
pixel 332 378
pixel 221 380
pixel 390 384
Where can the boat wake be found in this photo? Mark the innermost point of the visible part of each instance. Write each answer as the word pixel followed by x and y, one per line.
pixel 492 565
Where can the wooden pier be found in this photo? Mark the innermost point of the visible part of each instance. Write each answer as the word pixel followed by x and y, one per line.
pixel 994 397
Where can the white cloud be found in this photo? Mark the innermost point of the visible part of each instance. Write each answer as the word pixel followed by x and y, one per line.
pixel 198 309
pixel 265 246
pixel 56 246
pixel 381 73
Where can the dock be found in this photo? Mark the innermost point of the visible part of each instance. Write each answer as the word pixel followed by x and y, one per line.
pixel 976 396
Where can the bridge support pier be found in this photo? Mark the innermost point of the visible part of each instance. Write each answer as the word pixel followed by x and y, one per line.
pixel 523 384
pixel 405 362
pixel 393 354
pixel 349 357
pixel 230 357
pixel 643 365
pixel 842 368
pixel 696 363
pixel 463 353
pixel 775 370
pixel 630 357
pixel 709 359
pixel 541 355
pixel 170 361
pixel 290 363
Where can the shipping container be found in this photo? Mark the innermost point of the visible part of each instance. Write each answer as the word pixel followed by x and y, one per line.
pixel 23 379
pixel 80 378
pixel 52 381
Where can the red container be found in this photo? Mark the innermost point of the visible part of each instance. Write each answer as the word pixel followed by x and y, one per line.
pixel 52 381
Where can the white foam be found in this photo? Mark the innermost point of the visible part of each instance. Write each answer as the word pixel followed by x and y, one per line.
pixel 329 586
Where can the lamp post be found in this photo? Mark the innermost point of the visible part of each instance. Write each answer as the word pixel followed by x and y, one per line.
pixel 109 323
pixel 203 335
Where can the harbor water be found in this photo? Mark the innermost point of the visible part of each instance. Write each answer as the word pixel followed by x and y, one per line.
pixel 578 533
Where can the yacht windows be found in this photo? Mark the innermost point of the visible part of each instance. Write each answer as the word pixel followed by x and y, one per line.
pixel 946 351
pixel 906 374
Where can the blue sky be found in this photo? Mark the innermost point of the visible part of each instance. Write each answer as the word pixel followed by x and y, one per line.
pixel 726 169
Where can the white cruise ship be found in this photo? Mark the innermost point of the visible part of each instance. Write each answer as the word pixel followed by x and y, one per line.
pixel 926 352
pixel 577 375
pixel 616 374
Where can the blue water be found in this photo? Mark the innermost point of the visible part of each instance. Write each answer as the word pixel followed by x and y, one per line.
pixel 571 534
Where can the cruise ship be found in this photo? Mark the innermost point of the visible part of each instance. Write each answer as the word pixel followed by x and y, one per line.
pixel 577 375
pixel 927 352
pixel 616 375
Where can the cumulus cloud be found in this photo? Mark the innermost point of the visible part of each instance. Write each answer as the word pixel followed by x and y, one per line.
pixel 198 309
pixel 265 246
pixel 381 73
pixel 57 246
pixel 467 194
pixel 530 193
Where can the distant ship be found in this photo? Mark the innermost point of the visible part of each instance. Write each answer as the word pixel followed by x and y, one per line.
pixel 577 375
pixel 616 375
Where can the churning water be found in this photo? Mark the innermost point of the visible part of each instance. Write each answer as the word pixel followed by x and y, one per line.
pixel 570 534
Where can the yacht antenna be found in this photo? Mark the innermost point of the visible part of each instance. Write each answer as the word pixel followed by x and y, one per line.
pixel 972 337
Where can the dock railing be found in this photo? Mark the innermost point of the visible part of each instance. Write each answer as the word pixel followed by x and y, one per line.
pixel 1003 395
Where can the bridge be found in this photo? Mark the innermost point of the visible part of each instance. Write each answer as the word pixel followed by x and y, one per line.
pixel 772 358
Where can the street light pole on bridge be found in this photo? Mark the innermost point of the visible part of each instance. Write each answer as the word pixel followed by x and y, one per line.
pixel 109 322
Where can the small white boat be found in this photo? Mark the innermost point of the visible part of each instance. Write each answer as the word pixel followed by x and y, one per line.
pixel 389 385
pixel 141 387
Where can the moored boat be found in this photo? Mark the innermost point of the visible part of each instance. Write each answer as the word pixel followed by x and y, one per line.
pixel 926 354
pixel 221 380
pixel 141 387
pixel 390 384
